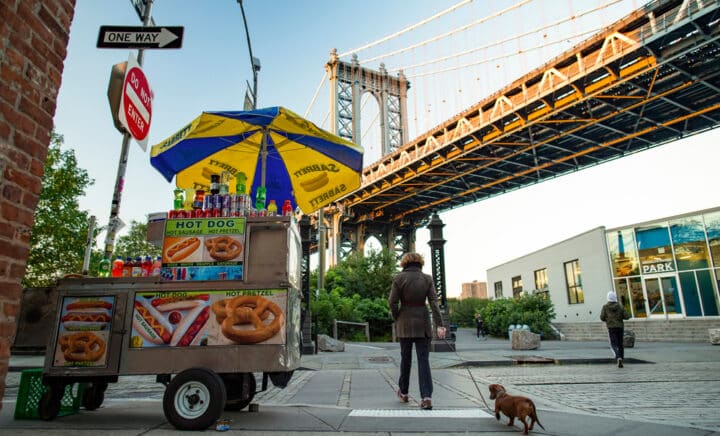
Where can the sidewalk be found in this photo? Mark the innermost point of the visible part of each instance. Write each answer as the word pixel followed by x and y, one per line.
pixel 352 392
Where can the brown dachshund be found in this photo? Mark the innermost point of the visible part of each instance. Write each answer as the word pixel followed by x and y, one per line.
pixel 514 407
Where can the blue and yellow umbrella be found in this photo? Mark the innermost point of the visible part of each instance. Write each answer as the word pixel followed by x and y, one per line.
pixel 290 156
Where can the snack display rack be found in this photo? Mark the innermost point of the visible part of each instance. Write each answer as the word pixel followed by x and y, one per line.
pixel 204 328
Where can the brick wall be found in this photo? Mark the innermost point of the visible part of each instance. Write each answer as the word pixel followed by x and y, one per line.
pixel 33 44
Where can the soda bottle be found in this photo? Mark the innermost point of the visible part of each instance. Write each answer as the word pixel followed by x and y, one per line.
pixel 104 268
pixel 287 208
pixel 157 267
pixel 117 267
pixel 127 267
pixel 137 267
pixel 215 184
pixel 147 266
pixel 272 208
pixel 260 198
pixel 178 200
pixel 198 204
pixel 240 180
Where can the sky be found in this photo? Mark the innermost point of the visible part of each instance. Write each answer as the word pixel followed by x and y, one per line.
pixel 293 39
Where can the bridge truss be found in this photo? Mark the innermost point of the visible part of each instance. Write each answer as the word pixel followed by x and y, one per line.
pixel 650 78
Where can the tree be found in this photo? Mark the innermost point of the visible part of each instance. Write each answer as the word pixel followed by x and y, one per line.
pixel 59 234
pixel 135 243
pixel 367 276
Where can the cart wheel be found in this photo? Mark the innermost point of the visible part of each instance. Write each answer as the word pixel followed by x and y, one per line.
pixel 49 404
pixel 194 399
pixel 94 395
pixel 240 390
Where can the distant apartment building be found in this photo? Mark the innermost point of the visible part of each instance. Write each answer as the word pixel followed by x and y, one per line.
pixel 475 289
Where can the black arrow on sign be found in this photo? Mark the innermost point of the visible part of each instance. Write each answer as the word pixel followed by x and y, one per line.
pixel 140 37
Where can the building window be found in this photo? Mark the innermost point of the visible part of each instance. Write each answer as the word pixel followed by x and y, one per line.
pixel 517 286
pixel 574 282
pixel 498 290
pixel 541 279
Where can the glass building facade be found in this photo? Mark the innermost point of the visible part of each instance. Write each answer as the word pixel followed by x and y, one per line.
pixel 668 268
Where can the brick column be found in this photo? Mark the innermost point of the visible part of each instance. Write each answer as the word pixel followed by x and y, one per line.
pixel 33 45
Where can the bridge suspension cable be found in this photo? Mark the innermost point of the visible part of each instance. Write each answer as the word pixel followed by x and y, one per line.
pixel 512 38
pixel 450 33
pixel 407 29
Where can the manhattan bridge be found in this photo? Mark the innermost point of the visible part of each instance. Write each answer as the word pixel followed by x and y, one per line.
pixel 637 82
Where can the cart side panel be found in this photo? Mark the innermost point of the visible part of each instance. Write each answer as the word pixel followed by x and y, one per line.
pixel 262 357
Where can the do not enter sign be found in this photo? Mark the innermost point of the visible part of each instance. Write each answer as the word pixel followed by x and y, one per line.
pixel 135 112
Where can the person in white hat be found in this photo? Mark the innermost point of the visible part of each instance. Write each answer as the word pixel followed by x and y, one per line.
pixel 613 314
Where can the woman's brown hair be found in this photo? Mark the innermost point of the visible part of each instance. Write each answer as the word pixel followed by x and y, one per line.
pixel 409 258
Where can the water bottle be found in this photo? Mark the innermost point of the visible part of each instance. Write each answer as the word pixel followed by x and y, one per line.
pixel 117 267
pixel 272 208
pixel 104 268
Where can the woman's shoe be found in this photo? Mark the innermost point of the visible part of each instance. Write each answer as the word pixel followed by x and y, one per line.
pixel 402 397
pixel 426 404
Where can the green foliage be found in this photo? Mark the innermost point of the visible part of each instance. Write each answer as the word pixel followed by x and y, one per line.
pixel 462 312
pixel 534 310
pixel 356 290
pixel 59 234
pixel 135 243
pixel 368 276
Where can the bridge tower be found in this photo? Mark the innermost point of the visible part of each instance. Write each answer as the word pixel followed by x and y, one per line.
pixel 348 83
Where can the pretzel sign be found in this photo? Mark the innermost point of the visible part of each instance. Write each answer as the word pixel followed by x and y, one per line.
pixel 251 309
pixel 82 347
pixel 223 248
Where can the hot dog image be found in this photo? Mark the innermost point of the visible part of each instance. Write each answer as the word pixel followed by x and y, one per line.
pixel 182 249
pixel 166 304
pixel 86 315
pixel 151 324
pixel 191 327
pixel 315 183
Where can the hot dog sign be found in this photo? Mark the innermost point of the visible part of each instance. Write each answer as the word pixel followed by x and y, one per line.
pixel 83 331
pixel 184 319
pixel 204 249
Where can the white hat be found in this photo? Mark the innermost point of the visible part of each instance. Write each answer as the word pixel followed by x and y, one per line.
pixel 612 297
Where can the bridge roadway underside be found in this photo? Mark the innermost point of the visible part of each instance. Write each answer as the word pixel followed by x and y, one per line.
pixel 649 79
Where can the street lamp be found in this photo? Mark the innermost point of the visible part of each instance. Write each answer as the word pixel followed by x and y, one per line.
pixel 254 62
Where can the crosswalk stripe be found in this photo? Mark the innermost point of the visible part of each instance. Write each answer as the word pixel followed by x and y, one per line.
pixel 416 413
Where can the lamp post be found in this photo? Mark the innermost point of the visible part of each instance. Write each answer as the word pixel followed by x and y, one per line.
pixel 254 62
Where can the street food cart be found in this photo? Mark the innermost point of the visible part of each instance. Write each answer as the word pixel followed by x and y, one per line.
pixel 227 306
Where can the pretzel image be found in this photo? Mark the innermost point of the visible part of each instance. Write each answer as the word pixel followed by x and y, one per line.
pixel 251 309
pixel 182 249
pixel 82 347
pixel 316 182
pixel 223 248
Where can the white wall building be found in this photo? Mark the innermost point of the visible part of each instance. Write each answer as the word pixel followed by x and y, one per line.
pixel 663 269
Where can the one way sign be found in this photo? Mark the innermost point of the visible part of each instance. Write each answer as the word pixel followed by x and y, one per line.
pixel 140 37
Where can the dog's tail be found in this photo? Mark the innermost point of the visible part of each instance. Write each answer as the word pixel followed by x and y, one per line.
pixel 534 415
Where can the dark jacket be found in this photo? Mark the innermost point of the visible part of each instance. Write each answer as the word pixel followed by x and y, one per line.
pixel 410 288
pixel 613 314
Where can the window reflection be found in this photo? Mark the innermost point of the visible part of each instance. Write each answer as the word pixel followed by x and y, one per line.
pixel 688 237
pixel 623 253
pixel 655 250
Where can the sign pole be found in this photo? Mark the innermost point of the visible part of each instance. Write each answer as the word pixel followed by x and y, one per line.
pixel 114 223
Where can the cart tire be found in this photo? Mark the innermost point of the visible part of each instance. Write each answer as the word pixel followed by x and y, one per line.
pixel 239 394
pixel 194 399
pixel 50 402
pixel 94 395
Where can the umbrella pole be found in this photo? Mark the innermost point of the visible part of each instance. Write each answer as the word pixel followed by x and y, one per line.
pixel 263 156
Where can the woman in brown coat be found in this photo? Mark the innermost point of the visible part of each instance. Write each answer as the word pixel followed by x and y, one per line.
pixel 410 288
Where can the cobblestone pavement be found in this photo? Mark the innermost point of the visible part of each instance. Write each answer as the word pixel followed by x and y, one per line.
pixel 682 393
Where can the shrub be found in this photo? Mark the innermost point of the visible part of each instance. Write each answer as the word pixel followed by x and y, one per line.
pixel 462 312
pixel 536 311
